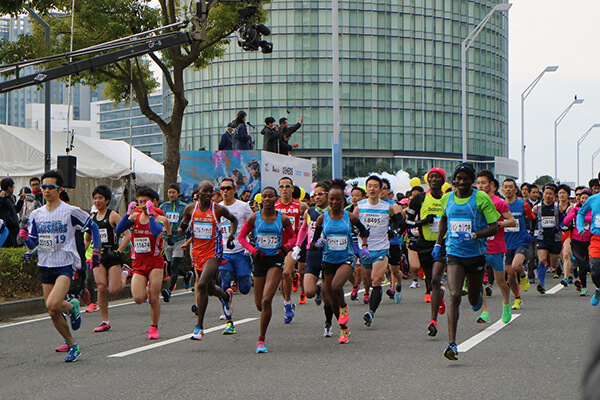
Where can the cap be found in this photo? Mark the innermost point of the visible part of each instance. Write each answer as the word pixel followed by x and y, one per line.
pixel 404 201
pixel 467 168
pixel 439 171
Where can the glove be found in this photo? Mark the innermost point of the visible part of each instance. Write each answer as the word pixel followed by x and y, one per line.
pixel 464 236
pixel 429 219
pixel 150 208
pixel 131 207
pixel 116 254
pixel 365 254
pixel 321 242
pixel 296 253
pixel 391 234
pixel 230 244
pixel 282 250
pixel 24 234
pixel 435 253
pixel 27 256
pixel 95 257
pixel 170 241
pixel 258 254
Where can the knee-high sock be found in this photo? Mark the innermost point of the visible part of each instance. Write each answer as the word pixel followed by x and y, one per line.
pixel 375 298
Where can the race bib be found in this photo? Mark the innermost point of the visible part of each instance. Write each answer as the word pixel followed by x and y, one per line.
pixel 372 220
pixel 337 242
pixel 597 221
pixel 173 217
pixel 203 230
pixel 435 225
pixel 226 229
pixel 491 237
pixel 46 242
pixel 293 221
pixel 103 235
pixel 460 225
pixel 267 241
pixel 141 245
pixel 516 228
pixel 548 222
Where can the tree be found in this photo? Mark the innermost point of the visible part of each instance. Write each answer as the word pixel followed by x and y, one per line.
pixel 102 21
pixel 542 180
pixel 321 174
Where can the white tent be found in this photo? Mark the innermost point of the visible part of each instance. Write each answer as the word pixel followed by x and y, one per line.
pixel 98 162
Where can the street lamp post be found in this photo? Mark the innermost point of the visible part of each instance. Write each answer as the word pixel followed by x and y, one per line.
pixel 556 123
pixel 524 95
pixel 581 139
pixel 594 156
pixel 336 139
pixel 463 64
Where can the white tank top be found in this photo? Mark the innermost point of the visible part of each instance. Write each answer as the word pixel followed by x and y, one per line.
pixel 376 218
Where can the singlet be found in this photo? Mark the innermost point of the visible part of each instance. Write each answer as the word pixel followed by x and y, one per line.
pixel 517 235
pixel 242 212
pixel 206 233
pixel 108 238
pixel 313 214
pixel 496 243
pixel 350 209
pixel 464 217
pixel 144 244
pixel 173 211
pixel 338 234
pixel 430 205
pixel 269 235
pixel 376 218
pixel 548 223
pixel 292 211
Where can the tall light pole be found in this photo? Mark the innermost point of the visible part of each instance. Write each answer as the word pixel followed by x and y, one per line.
pixel 556 123
pixel 524 95
pixel 581 139
pixel 594 156
pixel 463 64
pixel 336 139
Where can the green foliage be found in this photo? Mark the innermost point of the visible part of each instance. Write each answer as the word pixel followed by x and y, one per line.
pixel 17 277
pixel 542 180
pixel 322 174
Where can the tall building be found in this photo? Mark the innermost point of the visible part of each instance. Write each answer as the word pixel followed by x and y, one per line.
pixel 113 121
pixel 400 83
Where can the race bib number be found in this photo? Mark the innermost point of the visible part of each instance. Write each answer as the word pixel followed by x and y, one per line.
pixel 460 225
pixel 203 230
pixel 337 242
pixel 372 220
pixel 46 242
pixel 267 241
pixel 141 245
pixel 435 225
pixel 597 221
pixel 293 221
pixel 173 217
pixel 103 235
pixel 226 229
pixel 548 222
pixel 515 228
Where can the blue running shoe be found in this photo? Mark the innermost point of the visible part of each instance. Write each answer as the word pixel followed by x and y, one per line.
pixel 73 354
pixel 187 282
pixel 397 296
pixel 327 331
pixel 451 352
pixel 477 307
pixel 319 294
pixel 166 294
pixel 75 314
pixel 229 329
pixel 260 347
pixel 595 298
pixel 198 333
pixel 228 306
pixel 289 312
pixel 564 282
pixel 368 318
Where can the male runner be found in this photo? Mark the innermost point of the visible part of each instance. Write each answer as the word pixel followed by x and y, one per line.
pixel 395 254
pixel 592 204
pixel 548 234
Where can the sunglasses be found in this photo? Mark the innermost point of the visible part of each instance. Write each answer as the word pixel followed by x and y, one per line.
pixel 285 186
pixel 385 188
pixel 226 187
pixel 50 186
pixel 320 193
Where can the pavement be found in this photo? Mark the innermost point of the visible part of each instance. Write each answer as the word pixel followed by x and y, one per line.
pixel 540 354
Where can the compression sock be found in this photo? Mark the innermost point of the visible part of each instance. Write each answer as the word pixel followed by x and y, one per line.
pixel 328 314
pixel 375 298
pixel 542 273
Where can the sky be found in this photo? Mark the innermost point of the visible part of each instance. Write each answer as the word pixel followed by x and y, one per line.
pixel 563 33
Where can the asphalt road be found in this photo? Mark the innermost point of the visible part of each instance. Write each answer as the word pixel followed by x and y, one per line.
pixel 539 355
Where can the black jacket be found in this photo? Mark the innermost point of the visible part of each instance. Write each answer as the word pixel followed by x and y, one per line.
pixel 271 139
pixel 241 138
pixel 226 142
pixel 11 219
pixel 288 130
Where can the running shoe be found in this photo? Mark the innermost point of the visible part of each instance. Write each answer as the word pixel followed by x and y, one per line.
pixel 103 327
pixel 556 276
pixel 506 313
pixel 327 331
pixel 525 283
pixel 477 306
pixel 153 333
pixel 397 296
pixel 442 307
pixel 228 306
pixel 570 279
pixel 234 287
pixel 595 298
pixel 260 347
pixel 73 354
pixel 390 293
pixel 421 273
pixel 488 290
pixel 195 309
pixel 166 294
pixel 302 299
pixel 451 352
pixel 344 333
pixel 368 318
pixel 517 304
pixel 318 294
pixel 354 294
pixel 427 297
pixel 584 292
pixel 414 284
pixel 198 333
pixel 344 317
pixel 295 282
pixel 222 317
pixel 229 329
pixel 550 270
pixel 385 280
pixel 541 289
pixel 63 348
pixel 564 282
pixel 127 269
pixel 483 318
pixel 464 290
pixel 289 312
pixel 432 328
pixel 444 276
pixel 577 284
pixel 91 308
pixel 75 315
pixel 366 299
pixel 187 281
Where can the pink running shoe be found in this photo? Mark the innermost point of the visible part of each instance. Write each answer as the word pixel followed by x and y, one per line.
pixel 366 299
pixel 152 333
pixel 91 308
pixel 103 327
pixel 343 339
pixel 344 317
pixel 63 348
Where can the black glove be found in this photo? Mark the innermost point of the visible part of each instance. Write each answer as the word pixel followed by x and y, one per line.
pixel 429 219
pixel 116 254
pixel 259 255
pixel 230 244
pixel 391 234
pixel 282 251
pixel 170 241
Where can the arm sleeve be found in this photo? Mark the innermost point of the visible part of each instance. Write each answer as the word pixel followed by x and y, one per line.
pixel 581 215
pixel 291 129
pixel 302 233
pixel 33 235
pixel 242 238
pixel 156 228
pixel 291 237
pixel 3 234
pixel 528 212
pixel 93 228
pixel 124 224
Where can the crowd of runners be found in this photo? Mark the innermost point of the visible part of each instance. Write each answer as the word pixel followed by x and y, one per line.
pixel 456 240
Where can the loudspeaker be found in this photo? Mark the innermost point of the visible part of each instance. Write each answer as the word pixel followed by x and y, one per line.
pixel 67 165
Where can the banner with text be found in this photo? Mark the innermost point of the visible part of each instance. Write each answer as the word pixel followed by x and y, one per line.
pixel 275 166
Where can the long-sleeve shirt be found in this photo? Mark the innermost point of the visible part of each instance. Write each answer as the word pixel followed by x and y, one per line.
pixel 581 236
pixel 592 204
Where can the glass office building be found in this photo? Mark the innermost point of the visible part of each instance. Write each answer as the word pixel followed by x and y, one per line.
pixel 400 83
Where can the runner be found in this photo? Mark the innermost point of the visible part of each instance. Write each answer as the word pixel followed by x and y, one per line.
pixel 428 208
pixel 469 217
pixel 394 253
pixel 268 226
pixel 592 204
pixel 110 273
pixel 236 261
pixel 356 195
pixel 147 261
pixel 564 206
pixel 580 241
pixel 207 251
pixel 52 231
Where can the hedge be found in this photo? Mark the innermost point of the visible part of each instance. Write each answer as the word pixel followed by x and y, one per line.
pixel 18 278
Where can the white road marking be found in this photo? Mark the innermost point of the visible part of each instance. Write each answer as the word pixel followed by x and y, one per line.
pixel 481 336
pixel 175 340
pixel 555 289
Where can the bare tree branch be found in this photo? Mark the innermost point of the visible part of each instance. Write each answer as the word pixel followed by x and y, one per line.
pixel 164 69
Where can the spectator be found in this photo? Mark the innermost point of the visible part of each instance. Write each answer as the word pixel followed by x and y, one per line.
pixel 226 142
pixel 26 204
pixel 36 189
pixel 8 213
pixel 241 137
pixel 271 136
pixel 246 195
pixel 285 147
pixel 286 129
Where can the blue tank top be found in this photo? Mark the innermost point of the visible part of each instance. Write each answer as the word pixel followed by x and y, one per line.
pixel 517 235
pixel 464 217
pixel 338 234
pixel 269 236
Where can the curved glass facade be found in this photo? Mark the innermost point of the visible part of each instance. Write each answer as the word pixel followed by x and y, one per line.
pixel 400 83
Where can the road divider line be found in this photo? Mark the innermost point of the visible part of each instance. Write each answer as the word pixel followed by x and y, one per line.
pixel 175 340
pixel 555 289
pixel 481 336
